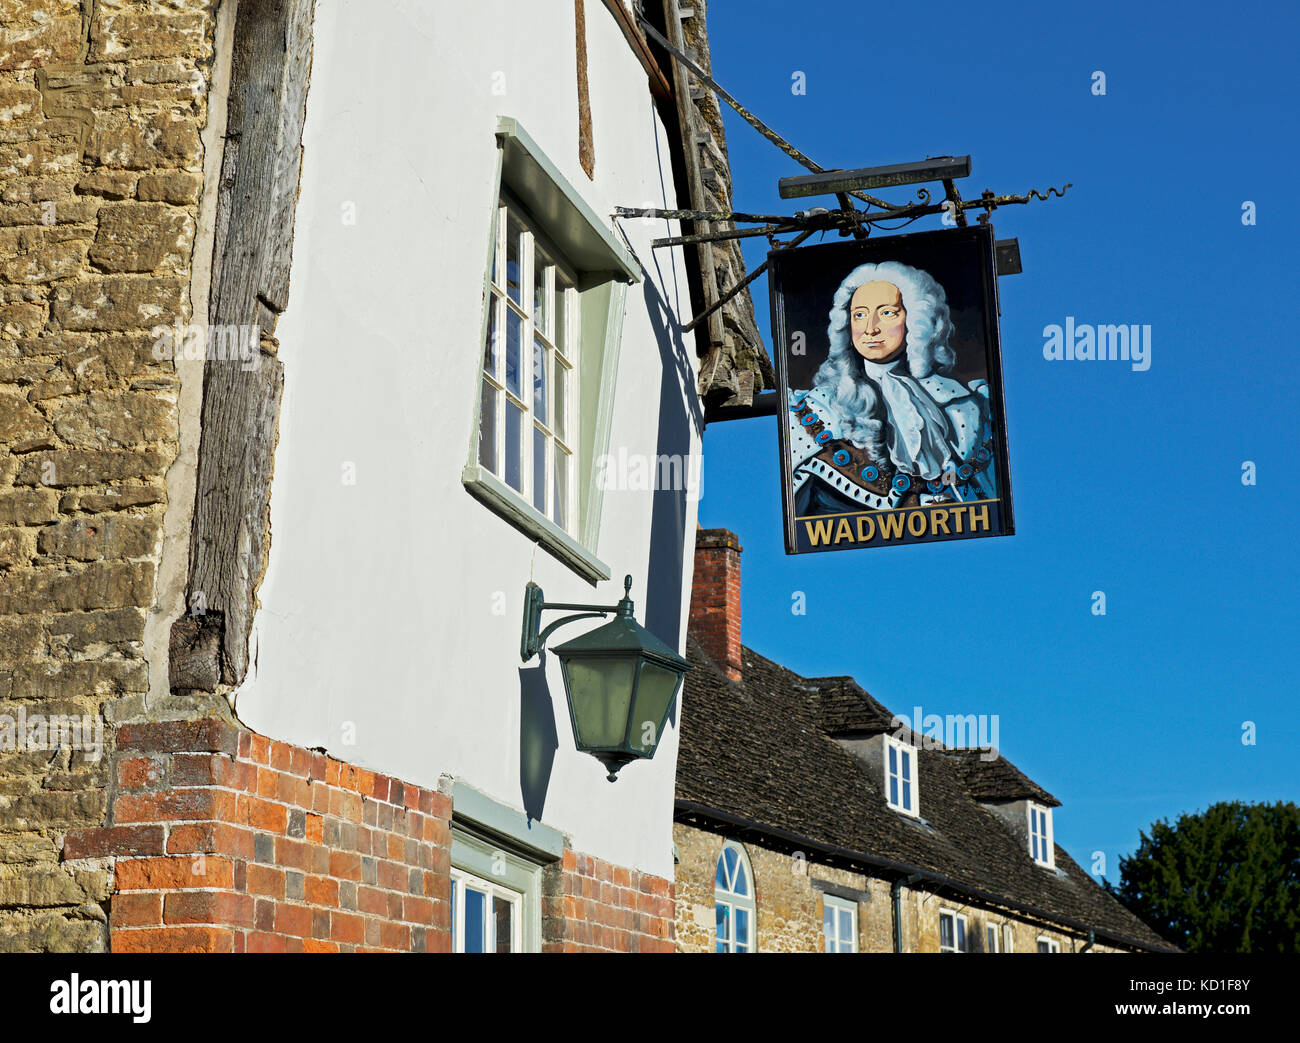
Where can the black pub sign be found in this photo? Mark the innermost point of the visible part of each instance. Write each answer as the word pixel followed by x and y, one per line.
pixel 889 373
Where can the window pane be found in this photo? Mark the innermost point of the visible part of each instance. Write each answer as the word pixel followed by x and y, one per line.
pixel 907 795
pixel 487 428
pixel 906 759
pixel 945 932
pixel 560 378
pixel 828 927
pixel 514 455
pixel 539 469
pixel 893 760
pixel 846 924
pixel 742 927
pixel 504 913
pixel 893 790
pixel 539 382
pixel 742 880
pixel 562 314
pixel 514 265
pixel 496 253
pixel 961 934
pixel 724 925
pixel 560 495
pixel 491 346
pixel 475 914
pixel 454 884
pixel 514 347
pixel 541 301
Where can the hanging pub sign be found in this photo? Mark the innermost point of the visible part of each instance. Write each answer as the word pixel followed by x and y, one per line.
pixel 893 428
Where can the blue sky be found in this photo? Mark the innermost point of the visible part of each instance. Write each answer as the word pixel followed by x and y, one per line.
pixel 1125 482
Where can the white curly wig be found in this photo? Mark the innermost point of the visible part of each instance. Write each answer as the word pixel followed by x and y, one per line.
pixel 929 327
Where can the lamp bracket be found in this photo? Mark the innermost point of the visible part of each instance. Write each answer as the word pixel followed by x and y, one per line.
pixel 533 637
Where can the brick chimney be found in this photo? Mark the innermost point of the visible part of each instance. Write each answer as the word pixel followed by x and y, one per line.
pixel 715 598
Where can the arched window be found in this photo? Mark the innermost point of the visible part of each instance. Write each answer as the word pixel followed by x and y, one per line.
pixel 733 898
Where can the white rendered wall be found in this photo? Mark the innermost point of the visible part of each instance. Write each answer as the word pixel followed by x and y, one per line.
pixel 376 609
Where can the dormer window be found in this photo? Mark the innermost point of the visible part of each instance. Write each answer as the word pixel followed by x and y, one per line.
pixel 900 776
pixel 1040 835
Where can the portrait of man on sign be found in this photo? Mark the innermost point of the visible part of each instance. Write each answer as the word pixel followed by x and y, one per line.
pixel 883 415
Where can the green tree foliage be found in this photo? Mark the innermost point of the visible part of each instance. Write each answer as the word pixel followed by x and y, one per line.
pixel 1223 880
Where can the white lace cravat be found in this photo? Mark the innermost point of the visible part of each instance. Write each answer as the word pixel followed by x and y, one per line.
pixel 920 440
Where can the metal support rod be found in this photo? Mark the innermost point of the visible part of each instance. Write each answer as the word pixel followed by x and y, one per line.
pixel 726 233
pixel 740 285
pixel 827 220
pixel 656 213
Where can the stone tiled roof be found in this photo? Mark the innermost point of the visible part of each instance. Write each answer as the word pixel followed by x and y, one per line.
pixel 848 709
pixel 761 751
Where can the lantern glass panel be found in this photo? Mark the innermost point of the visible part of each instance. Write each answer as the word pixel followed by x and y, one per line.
pixel 654 697
pixel 600 693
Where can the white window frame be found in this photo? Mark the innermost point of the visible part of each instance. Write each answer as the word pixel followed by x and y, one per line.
pixel 960 938
pixel 591 248
pixel 839 905
pixel 902 749
pixel 1008 939
pixel 733 902
pixel 460 879
pixel 992 938
pixel 1053 946
pixel 1042 847
pixel 561 362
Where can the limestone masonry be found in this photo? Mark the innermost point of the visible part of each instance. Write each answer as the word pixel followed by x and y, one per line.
pixel 101 168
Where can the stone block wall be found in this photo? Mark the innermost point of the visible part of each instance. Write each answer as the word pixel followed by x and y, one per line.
pixel 101 170
pixel 789 905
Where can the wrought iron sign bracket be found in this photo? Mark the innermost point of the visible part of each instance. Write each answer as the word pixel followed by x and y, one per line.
pixel 846 219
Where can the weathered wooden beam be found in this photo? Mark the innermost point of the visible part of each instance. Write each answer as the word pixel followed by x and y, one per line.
pixel 692 132
pixel 230 538
pixel 659 87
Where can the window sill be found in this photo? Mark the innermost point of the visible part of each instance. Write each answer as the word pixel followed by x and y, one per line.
pixel 499 497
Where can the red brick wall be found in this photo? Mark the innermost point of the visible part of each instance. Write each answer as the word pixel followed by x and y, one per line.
pixel 222 840
pixel 715 598
pixel 226 841
pixel 593 906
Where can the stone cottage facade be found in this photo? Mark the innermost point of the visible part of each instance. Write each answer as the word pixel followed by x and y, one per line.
pixel 808 820
pixel 305 308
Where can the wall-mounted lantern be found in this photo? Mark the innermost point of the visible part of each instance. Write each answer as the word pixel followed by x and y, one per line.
pixel 620 680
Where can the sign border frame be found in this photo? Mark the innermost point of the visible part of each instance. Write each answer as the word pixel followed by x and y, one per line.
pixel 983 235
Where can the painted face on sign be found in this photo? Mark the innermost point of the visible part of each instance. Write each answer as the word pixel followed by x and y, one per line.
pixel 878 321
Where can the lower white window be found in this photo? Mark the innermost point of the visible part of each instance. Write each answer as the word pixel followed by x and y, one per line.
pixel 991 937
pixel 485 917
pixel 952 931
pixel 1048 944
pixel 839 924
pixel 1008 940
pixel 733 901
